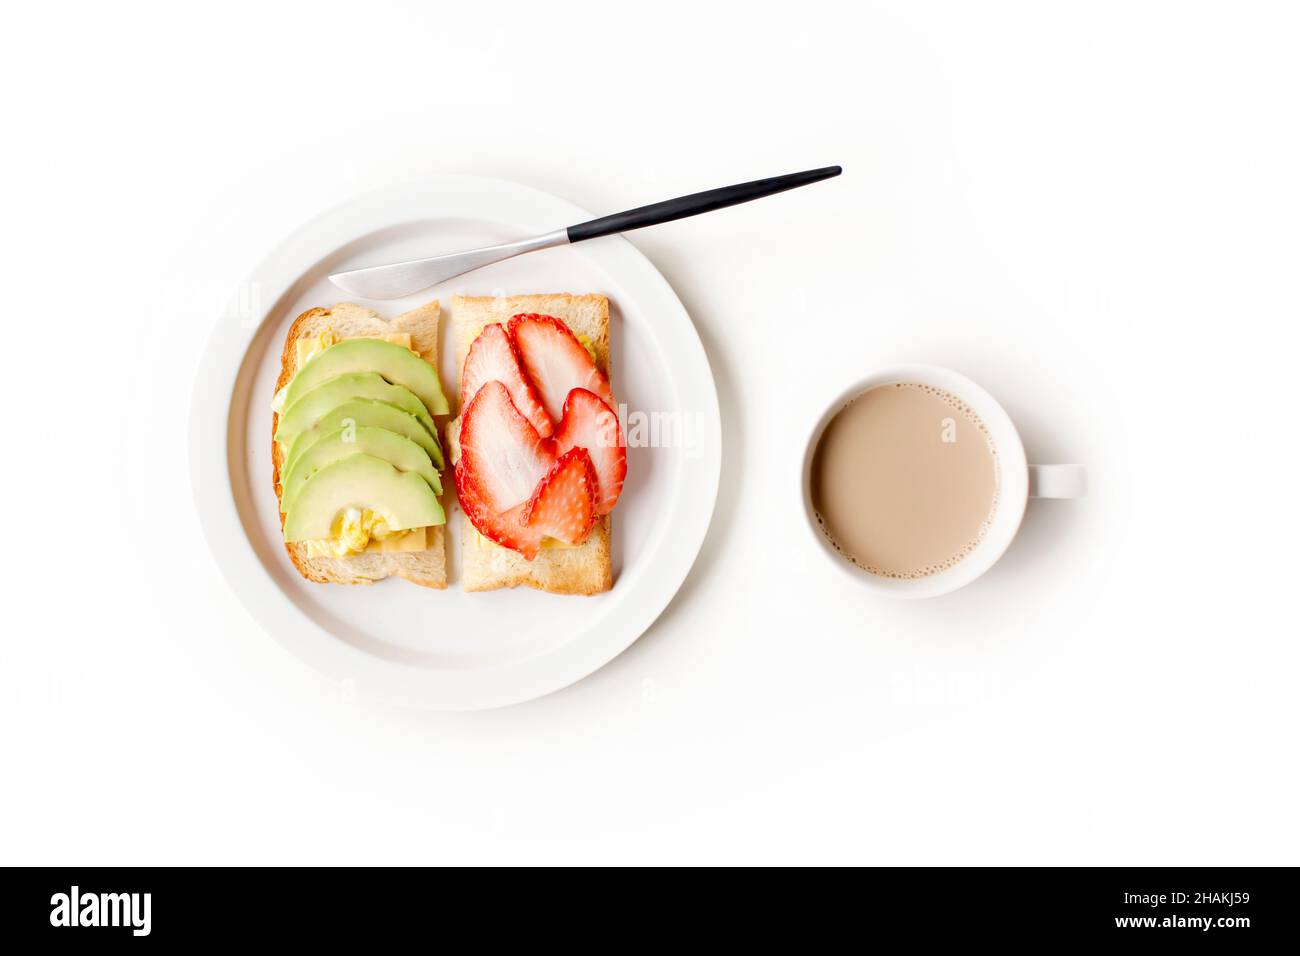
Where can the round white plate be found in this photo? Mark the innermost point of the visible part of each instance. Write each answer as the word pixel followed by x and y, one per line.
pixel 453 650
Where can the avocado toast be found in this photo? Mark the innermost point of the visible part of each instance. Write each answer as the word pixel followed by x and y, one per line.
pixel 355 450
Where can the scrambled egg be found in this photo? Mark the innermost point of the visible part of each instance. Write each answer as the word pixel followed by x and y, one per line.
pixel 352 532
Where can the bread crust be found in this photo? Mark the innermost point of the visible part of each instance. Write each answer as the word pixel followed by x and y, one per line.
pixel 486 566
pixel 426 568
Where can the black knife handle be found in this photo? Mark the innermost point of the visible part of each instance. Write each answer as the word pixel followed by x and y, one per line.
pixel 694 204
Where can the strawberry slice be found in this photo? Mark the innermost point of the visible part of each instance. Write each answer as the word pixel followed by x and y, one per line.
pixel 506 529
pixel 591 424
pixel 562 507
pixel 492 357
pixel 502 456
pixel 555 361
pixel 564 504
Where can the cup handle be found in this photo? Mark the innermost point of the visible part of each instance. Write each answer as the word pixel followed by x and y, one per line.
pixel 1057 481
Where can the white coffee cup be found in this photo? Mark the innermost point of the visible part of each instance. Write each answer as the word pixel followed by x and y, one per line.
pixel 1018 481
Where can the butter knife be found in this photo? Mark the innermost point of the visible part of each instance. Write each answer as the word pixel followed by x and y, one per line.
pixel 399 279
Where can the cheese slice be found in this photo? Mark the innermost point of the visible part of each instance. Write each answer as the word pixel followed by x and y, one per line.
pixel 417 539
pixel 307 347
pixel 548 544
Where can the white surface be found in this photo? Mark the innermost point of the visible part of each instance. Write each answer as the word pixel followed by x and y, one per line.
pixel 1012 484
pixel 1089 209
pixel 474 651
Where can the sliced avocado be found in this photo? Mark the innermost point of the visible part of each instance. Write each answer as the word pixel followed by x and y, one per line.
pixel 403 498
pixel 402 453
pixel 361 413
pixel 398 365
pixel 315 404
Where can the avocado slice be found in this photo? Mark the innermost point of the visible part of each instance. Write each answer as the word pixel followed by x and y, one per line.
pixel 361 481
pixel 364 412
pixel 397 364
pixel 402 453
pixel 313 405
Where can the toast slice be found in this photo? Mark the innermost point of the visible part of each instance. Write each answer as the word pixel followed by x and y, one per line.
pixel 428 567
pixel 485 566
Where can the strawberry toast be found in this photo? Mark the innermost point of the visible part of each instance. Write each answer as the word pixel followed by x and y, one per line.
pixel 537 451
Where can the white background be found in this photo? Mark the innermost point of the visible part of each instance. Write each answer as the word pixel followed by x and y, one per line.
pixel 1092 209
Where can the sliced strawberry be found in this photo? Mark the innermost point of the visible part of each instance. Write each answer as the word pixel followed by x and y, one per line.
pixel 492 357
pixel 562 507
pixel 591 424
pixel 506 529
pixel 502 456
pixel 555 361
pixel 564 504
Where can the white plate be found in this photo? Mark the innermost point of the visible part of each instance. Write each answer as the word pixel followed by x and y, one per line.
pixel 452 650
